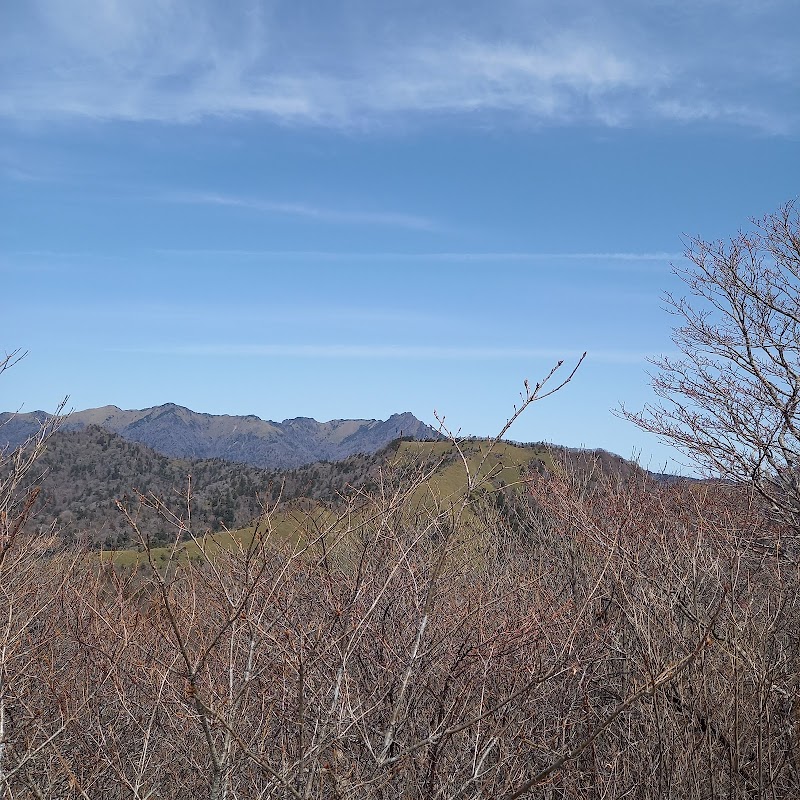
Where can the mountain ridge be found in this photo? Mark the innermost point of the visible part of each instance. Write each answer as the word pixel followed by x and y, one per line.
pixel 180 432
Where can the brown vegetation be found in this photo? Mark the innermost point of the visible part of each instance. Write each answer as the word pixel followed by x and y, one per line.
pixel 606 636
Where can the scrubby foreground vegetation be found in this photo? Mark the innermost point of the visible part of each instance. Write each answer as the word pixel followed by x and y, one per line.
pixel 631 640
pixel 605 636
pixel 585 634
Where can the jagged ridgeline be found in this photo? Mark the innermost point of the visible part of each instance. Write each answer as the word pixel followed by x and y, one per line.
pixel 181 433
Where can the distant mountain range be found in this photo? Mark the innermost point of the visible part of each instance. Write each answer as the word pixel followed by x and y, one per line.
pixel 181 433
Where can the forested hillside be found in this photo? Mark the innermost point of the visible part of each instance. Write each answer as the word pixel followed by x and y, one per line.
pixel 84 473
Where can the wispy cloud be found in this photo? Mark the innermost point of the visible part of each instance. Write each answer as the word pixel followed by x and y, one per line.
pixel 536 256
pixel 454 255
pixel 20 174
pixel 606 63
pixel 391 352
pixel 372 255
pixel 304 210
pixel 217 316
pixel 615 260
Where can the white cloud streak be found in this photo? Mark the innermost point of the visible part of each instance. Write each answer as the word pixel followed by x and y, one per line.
pixel 454 256
pixel 602 63
pixel 391 352
pixel 306 211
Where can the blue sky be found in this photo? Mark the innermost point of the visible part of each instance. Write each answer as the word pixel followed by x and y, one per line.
pixel 351 209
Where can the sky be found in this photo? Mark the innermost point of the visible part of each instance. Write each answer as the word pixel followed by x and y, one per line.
pixel 352 209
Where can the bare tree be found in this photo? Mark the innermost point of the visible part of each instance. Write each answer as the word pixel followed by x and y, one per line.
pixel 731 401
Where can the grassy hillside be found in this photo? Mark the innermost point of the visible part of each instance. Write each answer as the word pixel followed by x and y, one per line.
pixel 430 477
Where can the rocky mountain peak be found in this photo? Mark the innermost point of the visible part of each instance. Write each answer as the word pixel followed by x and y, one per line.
pixel 177 431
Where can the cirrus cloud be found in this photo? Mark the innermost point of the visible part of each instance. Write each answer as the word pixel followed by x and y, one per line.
pixel 545 62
